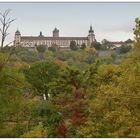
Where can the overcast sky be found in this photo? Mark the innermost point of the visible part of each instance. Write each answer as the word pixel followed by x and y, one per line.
pixel 113 21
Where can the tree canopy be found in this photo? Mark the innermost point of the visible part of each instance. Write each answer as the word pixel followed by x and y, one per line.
pixel 70 93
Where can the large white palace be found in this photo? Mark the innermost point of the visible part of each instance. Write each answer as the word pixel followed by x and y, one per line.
pixel 62 42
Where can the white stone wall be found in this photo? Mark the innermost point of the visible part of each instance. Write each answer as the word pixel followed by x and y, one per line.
pixel 61 43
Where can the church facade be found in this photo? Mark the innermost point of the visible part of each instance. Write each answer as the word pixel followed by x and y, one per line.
pixel 62 42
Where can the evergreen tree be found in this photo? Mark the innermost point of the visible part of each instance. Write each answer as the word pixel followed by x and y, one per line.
pixel 83 46
pixel 53 48
pixel 73 46
pixel 41 50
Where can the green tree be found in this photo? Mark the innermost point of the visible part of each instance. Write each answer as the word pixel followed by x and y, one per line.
pixel 12 89
pixel 25 55
pixel 97 45
pixel 53 48
pixel 91 55
pixel 48 114
pixel 73 46
pixel 137 31
pixel 83 46
pixel 41 50
pixel 124 49
pixel 41 74
pixel 105 44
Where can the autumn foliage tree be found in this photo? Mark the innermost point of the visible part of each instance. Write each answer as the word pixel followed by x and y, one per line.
pixel 86 97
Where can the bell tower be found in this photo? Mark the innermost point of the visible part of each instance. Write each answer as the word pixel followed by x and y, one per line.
pixel 91 36
pixel 55 32
pixel 17 37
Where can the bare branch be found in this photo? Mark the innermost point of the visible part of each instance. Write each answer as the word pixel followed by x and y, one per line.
pixel 11 21
pixel 9 43
pixel 1 31
pixel 6 22
pixel 7 34
pixel 1 14
pixel 7 12
pixel 6 27
pixel 1 20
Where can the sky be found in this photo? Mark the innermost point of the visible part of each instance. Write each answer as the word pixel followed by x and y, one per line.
pixel 111 21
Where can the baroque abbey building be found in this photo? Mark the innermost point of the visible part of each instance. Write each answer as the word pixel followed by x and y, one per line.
pixel 62 42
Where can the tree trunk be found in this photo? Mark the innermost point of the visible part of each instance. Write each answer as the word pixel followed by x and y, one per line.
pixel 3 34
pixel 2 42
pixel 44 96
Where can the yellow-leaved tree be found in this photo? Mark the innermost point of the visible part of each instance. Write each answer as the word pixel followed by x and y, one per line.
pixel 36 132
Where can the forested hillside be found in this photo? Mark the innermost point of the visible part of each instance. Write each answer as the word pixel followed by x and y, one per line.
pixel 47 93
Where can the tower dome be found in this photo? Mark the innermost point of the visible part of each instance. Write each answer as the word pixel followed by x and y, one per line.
pixel 91 30
pixel 17 32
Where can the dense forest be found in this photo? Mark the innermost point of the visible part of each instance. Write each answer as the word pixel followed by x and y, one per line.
pixel 56 93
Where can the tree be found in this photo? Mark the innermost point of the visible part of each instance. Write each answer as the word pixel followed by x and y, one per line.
pixel 37 132
pixel 92 45
pixel 91 51
pixel 48 114
pixel 53 48
pixel 41 50
pixel 83 46
pixel 12 86
pixel 71 86
pixel 124 49
pixel 40 75
pixel 137 30
pixel 24 54
pixel 95 45
pixel 91 55
pixel 105 44
pixel 73 46
pixel 5 24
pixel 114 109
